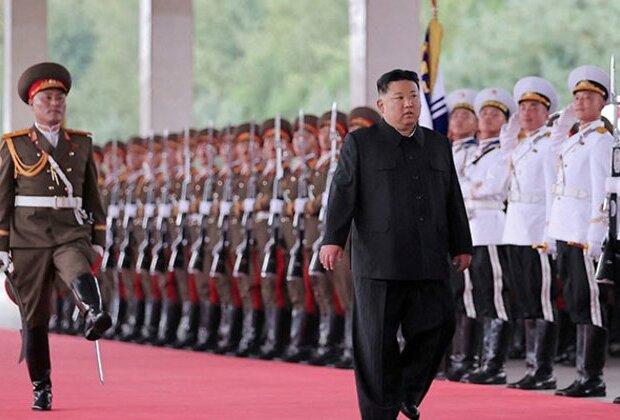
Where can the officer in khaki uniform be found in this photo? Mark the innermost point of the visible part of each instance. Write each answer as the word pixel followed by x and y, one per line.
pixel 48 197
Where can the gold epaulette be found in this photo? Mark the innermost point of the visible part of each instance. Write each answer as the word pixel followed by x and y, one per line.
pixel 78 132
pixel 16 133
pixel 601 130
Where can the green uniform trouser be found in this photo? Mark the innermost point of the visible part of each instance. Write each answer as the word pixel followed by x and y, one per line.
pixel 36 269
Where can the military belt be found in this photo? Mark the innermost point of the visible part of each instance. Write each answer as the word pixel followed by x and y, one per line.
pixel 47 201
pixel 570 192
pixel 517 197
pixel 484 204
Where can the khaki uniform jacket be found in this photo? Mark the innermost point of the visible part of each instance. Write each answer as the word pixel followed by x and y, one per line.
pixel 41 227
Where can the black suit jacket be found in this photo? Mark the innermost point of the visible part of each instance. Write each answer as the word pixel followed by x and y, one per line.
pixel 402 197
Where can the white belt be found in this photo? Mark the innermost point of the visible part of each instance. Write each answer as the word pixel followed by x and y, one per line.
pixel 517 197
pixel 262 215
pixel 484 204
pixel 570 192
pixel 46 201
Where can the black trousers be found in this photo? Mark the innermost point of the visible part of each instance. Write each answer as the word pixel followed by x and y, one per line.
pixel 580 290
pixel 385 376
pixel 533 282
pixel 490 279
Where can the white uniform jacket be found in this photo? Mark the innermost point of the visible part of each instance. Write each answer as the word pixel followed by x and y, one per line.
pixel 526 211
pixel 582 165
pixel 485 187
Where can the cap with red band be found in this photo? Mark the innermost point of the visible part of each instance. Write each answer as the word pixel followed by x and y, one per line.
pixel 43 76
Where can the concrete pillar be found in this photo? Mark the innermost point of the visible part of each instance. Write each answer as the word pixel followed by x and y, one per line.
pixel 382 37
pixel 166 65
pixel 25 44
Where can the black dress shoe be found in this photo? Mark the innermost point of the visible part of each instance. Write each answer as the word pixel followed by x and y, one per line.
pixel 617 400
pixel 485 377
pixel 42 397
pixel 589 388
pixel 534 383
pixel 410 410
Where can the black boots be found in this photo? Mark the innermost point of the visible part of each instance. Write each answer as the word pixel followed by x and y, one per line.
pixel 39 367
pixel 130 330
pixel 541 339
pixel 304 336
pixel 494 351
pixel 188 327
pixel 96 321
pixel 233 328
pixel 330 349
pixel 278 333
pixel 150 326
pixel 118 310
pixel 210 317
pixel 168 323
pixel 253 333
pixel 465 348
pixel 591 353
pixel 346 357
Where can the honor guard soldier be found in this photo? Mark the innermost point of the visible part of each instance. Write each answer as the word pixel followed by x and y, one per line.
pixel 52 220
pixel 269 234
pixel 462 128
pixel 146 215
pixel 485 186
pixel 579 224
pixel 202 247
pixel 527 138
pixel 132 235
pixel 231 326
pixel 305 315
pixel 332 287
pixel 360 117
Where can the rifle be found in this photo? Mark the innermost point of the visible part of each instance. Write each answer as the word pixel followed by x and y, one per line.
pixel 145 249
pixel 316 268
pixel 126 255
pixel 164 211
pixel 246 247
pixel 608 268
pixel 295 270
pixel 200 245
pixel 220 250
pixel 111 244
pixel 269 267
pixel 179 246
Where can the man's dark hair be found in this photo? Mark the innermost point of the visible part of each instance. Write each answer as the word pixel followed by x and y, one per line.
pixel 396 75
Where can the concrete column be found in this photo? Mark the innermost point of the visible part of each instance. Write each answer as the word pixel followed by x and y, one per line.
pixel 382 37
pixel 166 65
pixel 25 44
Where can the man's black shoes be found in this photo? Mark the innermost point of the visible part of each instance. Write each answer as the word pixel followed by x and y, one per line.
pixel 410 410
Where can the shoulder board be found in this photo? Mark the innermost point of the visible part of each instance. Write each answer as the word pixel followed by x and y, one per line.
pixel 601 130
pixel 78 132
pixel 17 133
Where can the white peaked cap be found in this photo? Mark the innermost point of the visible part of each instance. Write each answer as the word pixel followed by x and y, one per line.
pixel 497 97
pixel 536 89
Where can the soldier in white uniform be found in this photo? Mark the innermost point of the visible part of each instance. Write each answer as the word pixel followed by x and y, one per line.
pixel 485 188
pixel 462 128
pixel 532 269
pixel 579 224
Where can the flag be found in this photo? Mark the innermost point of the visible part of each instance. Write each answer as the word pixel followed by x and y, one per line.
pixel 434 112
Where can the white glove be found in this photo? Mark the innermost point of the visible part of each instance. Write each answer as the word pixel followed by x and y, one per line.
pixel 595 249
pixel 98 249
pixel 509 133
pixel 5 261
pixel 566 119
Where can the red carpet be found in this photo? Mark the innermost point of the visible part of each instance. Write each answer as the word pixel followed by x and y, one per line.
pixel 147 382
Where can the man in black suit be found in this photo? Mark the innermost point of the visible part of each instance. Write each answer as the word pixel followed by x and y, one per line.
pixel 396 184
